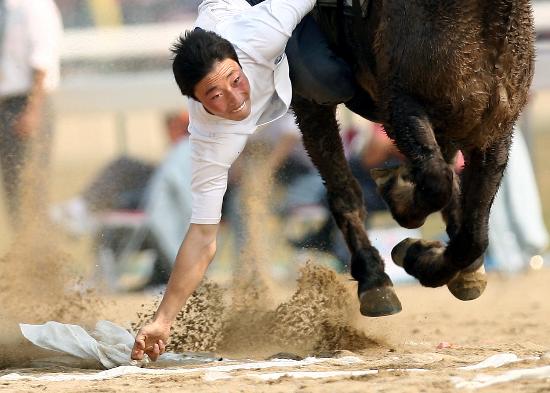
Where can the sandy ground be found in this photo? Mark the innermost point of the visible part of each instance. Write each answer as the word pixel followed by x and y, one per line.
pixel 418 350
pixel 512 316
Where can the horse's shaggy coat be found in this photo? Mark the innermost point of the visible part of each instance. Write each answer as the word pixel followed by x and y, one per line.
pixel 441 76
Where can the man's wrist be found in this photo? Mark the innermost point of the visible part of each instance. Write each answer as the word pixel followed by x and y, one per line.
pixel 163 320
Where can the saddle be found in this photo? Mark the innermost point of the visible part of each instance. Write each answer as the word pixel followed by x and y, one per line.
pixel 357 10
pixel 348 7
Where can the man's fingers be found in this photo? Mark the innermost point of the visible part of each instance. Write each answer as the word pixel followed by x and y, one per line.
pixel 137 354
pixel 148 342
pixel 139 347
pixel 140 341
pixel 162 347
pixel 153 352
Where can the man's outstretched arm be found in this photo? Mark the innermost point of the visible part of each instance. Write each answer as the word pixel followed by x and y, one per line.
pixel 211 158
pixel 194 256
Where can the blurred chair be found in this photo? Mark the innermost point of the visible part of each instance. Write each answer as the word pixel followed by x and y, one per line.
pixel 137 214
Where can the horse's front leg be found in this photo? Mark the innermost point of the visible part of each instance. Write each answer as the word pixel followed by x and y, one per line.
pixel 323 144
pixel 425 183
pixel 458 264
pixel 470 283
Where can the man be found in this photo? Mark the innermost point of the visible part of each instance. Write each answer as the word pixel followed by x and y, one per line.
pixel 30 37
pixel 233 68
pixel 516 225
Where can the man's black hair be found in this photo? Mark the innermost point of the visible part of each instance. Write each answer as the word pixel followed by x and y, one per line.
pixel 195 54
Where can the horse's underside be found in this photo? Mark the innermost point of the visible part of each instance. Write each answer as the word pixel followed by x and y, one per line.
pixel 441 76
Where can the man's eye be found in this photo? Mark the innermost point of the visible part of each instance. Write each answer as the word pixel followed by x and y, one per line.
pixel 237 80
pixel 215 97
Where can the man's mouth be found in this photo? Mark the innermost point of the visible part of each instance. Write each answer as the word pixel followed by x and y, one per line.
pixel 240 108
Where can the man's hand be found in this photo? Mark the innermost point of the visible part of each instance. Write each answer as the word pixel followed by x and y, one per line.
pixel 151 340
pixel 192 260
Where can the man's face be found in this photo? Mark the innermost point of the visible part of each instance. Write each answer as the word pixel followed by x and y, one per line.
pixel 225 91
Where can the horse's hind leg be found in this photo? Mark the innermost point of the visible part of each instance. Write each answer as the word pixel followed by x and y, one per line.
pixel 423 186
pixel 433 263
pixel 322 141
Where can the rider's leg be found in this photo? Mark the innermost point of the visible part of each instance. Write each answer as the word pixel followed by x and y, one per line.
pixel 316 72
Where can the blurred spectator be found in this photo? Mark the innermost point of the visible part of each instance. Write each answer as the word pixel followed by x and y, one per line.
pixel 123 184
pixel 132 207
pixel 379 151
pixel 30 35
pixel 168 199
pixel 120 185
pixel 516 229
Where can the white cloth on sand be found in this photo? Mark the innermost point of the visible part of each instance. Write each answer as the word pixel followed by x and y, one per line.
pixel 108 343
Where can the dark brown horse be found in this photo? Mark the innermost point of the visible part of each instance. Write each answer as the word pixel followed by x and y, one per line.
pixel 441 76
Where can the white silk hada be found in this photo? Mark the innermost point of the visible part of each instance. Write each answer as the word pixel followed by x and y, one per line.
pixel 108 344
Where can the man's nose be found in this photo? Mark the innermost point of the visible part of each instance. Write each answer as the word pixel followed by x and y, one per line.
pixel 235 97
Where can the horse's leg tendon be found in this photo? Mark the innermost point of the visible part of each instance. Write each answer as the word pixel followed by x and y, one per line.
pixel 452 213
pixel 470 283
pixel 322 142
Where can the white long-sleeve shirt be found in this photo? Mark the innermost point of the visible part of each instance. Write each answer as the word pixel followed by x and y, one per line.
pixel 32 41
pixel 259 35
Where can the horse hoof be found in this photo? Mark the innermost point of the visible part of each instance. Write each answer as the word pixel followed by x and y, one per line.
pixel 379 302
pixel 399 251
pixel 468 285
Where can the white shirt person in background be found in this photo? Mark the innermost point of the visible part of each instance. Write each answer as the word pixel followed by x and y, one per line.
pixel 517 231
pixel 235 84
pixel 30 39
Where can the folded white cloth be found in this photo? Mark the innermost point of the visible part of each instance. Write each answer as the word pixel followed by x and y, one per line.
pixel 108 343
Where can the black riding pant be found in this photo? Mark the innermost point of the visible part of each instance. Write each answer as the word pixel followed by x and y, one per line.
pixel 317 74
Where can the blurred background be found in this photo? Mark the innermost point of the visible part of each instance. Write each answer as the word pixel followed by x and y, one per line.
pixel 117 98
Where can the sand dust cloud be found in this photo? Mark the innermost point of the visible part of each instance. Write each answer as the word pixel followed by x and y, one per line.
pixel 319 316
pixel 36 286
